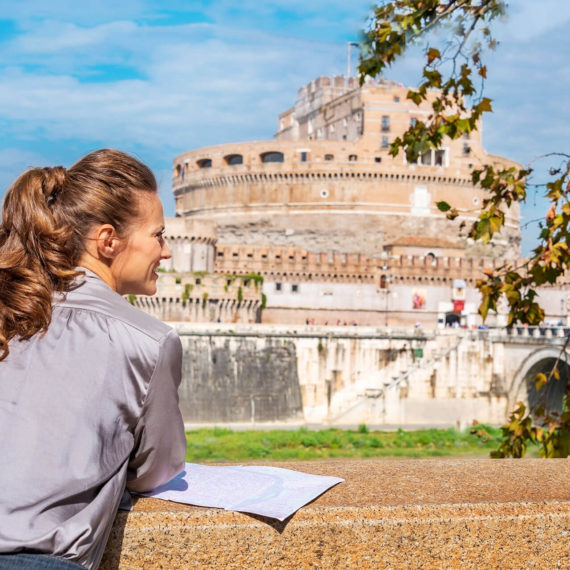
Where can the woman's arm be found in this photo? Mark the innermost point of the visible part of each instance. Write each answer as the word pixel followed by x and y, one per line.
pixel 160 442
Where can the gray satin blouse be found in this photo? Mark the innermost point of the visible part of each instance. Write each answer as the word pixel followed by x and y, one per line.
pixel 85 410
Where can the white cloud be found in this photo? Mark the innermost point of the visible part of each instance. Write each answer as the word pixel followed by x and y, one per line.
pixel 231 85
pixel 529 19
pixel 50 37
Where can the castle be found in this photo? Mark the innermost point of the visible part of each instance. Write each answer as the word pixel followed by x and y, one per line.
pixel 321 225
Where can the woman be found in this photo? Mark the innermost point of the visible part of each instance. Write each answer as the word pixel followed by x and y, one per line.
pixel 88 383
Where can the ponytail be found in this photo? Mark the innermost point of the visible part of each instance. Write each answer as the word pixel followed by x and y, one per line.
pixel 46 216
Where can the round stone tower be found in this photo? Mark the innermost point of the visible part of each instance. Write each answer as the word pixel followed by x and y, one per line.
pixel 327 181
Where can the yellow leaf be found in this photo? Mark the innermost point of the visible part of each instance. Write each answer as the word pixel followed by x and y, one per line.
pixel 540 381
pixel 433 54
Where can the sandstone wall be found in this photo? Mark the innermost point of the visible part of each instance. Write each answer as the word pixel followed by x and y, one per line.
pixel 351 375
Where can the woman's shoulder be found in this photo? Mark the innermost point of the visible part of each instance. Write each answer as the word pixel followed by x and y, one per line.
pixel 94 295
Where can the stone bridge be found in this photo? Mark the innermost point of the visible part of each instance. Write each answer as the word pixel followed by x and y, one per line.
pixel 256 374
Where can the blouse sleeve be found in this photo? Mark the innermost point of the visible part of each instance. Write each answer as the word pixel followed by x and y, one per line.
pixel 160 442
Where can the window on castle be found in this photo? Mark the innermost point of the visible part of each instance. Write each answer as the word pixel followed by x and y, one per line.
pixel 434 158
pixel 204 163
pixel 377 159
pixel 291 258
pixel 198 281
pixel 413 122
pixel 385 142
pixel 220 254
pixel 303 156
pixel 277 286
pixel 396 99
pixel 329 156
pixel 294 288
pixel 385 123
pixel 352 157
pixel 232 159
pixel 272 157
pixel 466 149
pixel 234 254
pixel 425 158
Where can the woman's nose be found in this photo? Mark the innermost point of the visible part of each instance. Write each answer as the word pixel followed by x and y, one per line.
pixel 165 253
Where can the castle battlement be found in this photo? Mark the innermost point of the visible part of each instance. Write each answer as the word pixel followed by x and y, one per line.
pixel 297 264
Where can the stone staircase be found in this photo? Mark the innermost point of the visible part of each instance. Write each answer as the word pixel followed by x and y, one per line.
pixel 353 400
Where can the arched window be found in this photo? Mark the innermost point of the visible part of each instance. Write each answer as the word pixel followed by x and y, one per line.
pixel 352 157
pixel 232 159
pixel 204 163
pixel 178 170
pixel 272 156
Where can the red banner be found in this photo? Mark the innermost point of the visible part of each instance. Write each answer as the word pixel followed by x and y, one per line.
pixel 458 306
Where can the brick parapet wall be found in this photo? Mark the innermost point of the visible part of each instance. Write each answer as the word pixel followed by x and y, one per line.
pixel 298 264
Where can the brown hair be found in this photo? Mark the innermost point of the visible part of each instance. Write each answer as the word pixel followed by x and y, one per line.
pixel 46 216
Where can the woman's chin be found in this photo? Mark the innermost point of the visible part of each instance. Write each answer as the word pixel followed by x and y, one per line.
pixel 150 289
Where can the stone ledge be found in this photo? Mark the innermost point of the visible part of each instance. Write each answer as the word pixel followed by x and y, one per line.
pixel 439 513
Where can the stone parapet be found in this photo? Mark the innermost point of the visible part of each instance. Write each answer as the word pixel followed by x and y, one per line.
pixel 298 264
pixel 295 263
pixel 434 513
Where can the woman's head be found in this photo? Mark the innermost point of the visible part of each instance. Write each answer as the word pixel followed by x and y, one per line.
pixel 49 216
pixel 128 261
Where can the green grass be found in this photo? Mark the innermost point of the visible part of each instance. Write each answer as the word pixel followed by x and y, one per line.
pixel 222 444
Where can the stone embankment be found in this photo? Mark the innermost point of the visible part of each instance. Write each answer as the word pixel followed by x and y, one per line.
pixel 434 513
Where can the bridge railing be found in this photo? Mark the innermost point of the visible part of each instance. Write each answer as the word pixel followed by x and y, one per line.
pixel 529 331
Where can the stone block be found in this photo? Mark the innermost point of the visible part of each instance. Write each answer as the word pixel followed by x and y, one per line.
pixel 435 513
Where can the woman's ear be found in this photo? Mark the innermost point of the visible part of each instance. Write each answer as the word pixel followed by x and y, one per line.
pixel 107 240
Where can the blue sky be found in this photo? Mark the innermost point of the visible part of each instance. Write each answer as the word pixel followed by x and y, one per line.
pixel 159 78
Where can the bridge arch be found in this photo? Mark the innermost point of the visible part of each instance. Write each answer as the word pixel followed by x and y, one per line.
pixel 523 386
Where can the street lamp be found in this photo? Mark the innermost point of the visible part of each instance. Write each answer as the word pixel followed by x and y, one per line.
pixel 387 291
pixel 348 46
